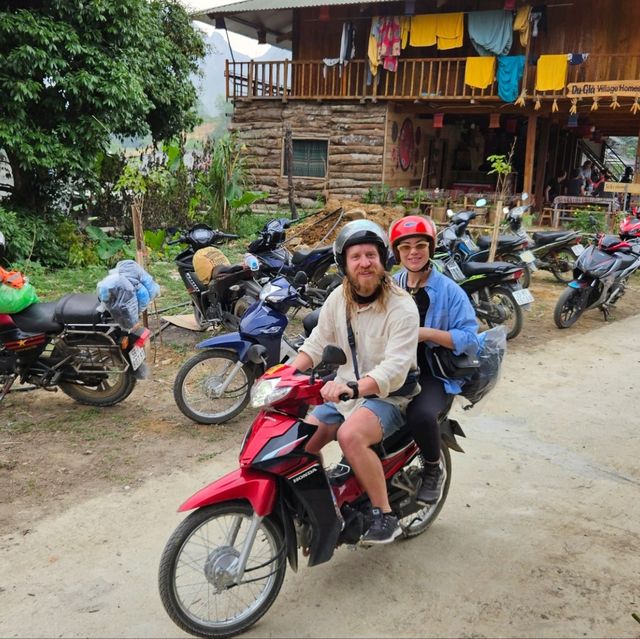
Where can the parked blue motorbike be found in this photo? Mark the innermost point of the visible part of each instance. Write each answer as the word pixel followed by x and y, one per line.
pixel 214 385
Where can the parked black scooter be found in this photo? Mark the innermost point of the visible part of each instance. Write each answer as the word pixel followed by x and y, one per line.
pixel 553 251
pixel 232 289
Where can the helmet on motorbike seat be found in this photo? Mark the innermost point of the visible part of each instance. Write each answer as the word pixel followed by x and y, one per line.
pixel 360 232
pixel 412 226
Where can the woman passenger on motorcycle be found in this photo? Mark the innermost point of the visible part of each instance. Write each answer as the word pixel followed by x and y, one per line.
pixel 446 319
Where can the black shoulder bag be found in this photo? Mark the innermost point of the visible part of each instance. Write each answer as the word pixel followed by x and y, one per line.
pixel 448 365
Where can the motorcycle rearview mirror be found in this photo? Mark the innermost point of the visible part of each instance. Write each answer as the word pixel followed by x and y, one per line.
pixel 300 279
pixel 450 213
pixel 333 355
pixel 481 202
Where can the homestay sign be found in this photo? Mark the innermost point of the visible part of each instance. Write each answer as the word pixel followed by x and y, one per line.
pixel 590 89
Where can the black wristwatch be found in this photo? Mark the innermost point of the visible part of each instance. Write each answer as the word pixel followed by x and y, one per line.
pixel 354 387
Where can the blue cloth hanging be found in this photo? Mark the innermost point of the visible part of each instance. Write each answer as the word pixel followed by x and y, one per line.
pixel 491 32
pixel 510 70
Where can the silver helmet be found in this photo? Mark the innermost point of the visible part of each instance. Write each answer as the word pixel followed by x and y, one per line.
pixel 360 232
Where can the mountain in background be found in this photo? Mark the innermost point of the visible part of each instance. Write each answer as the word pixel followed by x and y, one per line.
pixel 211 85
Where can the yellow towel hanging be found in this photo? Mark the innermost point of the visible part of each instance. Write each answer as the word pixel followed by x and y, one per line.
pixel 552 72
pixel 480 72
pixel 574 106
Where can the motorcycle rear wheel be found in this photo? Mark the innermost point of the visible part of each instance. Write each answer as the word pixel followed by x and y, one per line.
pixel 504 297
pixel 196 571
pixel 195 389
pixel 99 384
pixel 563 257
pixel 569 307
pixel 416 523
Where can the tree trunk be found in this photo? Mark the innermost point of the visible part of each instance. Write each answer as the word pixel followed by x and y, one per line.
pixel 288 149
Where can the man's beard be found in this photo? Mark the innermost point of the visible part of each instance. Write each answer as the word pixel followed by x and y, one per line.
pixel 370 285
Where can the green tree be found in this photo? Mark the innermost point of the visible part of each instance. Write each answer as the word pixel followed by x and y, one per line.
pixel 74 73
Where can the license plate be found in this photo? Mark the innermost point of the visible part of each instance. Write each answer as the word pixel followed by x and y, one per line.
pixel 523 296
pixel 527 257
pixel 470 244
pixel 137 355
pixel 577 249
pixel 455 271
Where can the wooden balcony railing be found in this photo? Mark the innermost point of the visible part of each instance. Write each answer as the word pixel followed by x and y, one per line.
pixel 415 79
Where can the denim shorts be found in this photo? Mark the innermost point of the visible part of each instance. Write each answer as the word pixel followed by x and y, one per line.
pixel 388 415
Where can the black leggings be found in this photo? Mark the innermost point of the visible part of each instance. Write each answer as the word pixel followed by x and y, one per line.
pixel 422 415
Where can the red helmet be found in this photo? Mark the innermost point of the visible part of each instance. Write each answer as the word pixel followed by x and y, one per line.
pixel 412 226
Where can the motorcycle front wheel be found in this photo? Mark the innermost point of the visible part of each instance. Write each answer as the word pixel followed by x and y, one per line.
pixel 101 376
pixel 569 307
pixel 504 306
pixel 416 523
pixel 562 265
pixel 198 580
pixel 198 388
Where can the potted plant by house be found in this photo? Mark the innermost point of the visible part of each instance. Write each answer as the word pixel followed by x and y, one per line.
pixel 439 206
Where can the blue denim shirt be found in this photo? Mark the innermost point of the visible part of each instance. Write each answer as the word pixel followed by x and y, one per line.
pixel 449 310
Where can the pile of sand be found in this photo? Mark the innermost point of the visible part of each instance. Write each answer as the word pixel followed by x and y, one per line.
pixel 321 228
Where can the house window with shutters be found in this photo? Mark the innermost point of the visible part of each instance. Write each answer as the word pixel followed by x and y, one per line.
pixel 309 158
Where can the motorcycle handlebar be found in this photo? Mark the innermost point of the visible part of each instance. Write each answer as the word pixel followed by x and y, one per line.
pixel 180 240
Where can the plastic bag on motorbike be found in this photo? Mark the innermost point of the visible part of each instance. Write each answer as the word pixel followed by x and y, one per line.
pixel 486 376
pixel 14 300
pixel 119 298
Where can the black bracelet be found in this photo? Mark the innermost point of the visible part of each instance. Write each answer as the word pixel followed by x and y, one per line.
pixel 354 388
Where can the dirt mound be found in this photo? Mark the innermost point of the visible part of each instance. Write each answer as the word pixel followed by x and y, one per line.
pixel 322 227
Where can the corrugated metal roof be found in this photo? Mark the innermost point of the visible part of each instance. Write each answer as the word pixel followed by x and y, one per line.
pixel 270 5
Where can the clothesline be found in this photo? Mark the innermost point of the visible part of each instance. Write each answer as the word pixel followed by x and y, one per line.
pixel 358 18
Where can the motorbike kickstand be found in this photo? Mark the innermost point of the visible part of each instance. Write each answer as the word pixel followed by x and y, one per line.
pixel 606 312
pixel 7 386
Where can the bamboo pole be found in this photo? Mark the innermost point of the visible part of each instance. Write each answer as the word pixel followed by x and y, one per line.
pixel 138 234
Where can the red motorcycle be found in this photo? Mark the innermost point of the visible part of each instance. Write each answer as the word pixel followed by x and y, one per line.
pixel 630 225
pixel 225 563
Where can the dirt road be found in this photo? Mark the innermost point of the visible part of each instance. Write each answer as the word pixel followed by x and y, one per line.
pixel 540 536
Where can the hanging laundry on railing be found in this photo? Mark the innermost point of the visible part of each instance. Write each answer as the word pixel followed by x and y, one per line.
pixel 405 29
pixel 423 30
pixel 522 23
pixel 480 71
pixel 491 32
pixel 538 19
pixel 446 30
pixel 390 41
pixel 552 72
pixel 577 58
pixel 348 42
pixel 510 70
pixel 372 49
pixel 450 30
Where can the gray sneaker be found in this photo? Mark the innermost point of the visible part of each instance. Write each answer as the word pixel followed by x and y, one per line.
pixel 431 486
pixel 383 530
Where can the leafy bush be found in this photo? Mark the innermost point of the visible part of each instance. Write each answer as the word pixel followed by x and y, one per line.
pixel 589 220
pixel 378 194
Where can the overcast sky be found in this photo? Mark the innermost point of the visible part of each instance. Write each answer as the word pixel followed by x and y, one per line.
pixel 238 42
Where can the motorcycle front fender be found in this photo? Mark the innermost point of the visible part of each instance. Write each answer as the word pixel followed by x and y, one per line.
pixel 230 341
pixel 259 489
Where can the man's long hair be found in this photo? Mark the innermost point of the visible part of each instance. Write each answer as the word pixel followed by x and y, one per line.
pixel 388 288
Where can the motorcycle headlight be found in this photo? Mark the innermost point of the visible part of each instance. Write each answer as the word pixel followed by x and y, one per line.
pixel 267 392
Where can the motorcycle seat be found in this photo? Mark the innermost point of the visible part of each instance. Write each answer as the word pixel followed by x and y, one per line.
pixel 310 321
pixel 223 269
pixel 484 242
pixel 486 268
pixel 547 237
pixel 300 256
pixel 77 308
pixel 38 318
pixel 626 260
